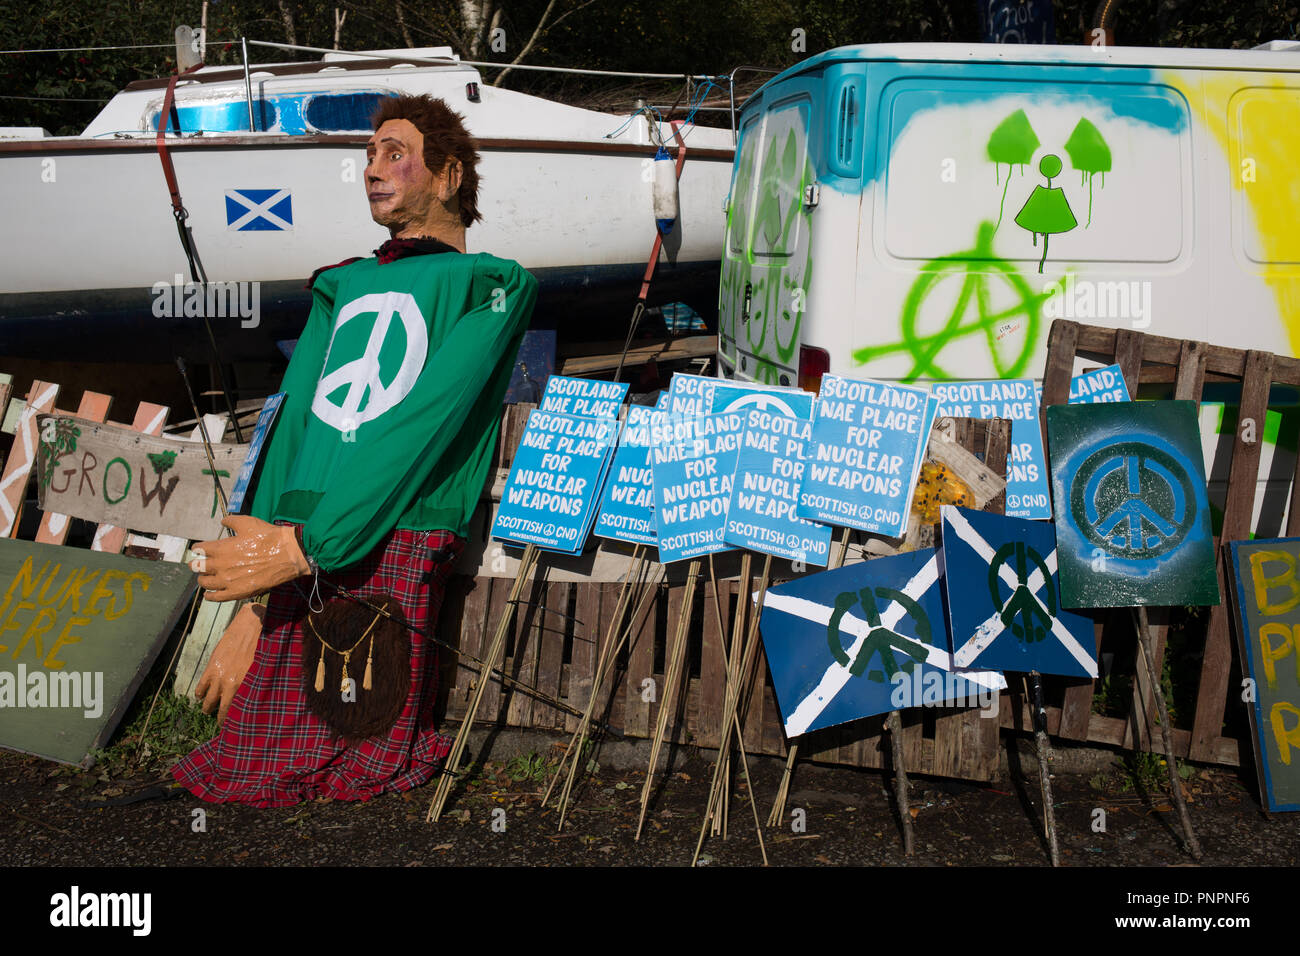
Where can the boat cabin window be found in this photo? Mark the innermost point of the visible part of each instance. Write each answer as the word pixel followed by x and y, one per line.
pixel 227 117
pixel 342 112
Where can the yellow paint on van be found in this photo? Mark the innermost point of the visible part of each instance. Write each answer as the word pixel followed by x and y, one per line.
pixel 1270 186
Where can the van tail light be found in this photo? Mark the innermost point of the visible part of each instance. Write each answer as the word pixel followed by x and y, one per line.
pixel 813 364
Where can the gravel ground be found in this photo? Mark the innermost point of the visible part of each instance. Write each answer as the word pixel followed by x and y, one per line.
pixel 52 815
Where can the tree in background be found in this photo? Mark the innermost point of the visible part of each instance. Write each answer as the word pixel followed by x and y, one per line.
pixel 63 91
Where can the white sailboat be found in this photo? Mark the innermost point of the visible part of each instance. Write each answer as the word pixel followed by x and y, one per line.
pixel 269 160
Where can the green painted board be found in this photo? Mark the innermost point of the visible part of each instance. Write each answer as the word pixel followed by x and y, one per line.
pixel 78 631
pixel 1129 499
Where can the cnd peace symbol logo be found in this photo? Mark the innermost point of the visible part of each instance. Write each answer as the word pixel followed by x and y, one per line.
pixel 880 640
pixel 1135 499
pixel 763 401
pixel 361 387
pixel 1035 619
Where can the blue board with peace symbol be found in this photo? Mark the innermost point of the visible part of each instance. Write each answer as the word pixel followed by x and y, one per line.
pixel 1004 597
pixel 1129 497
pixel 863 640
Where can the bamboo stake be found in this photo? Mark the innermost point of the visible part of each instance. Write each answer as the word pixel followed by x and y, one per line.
pixel 580 735
pixel 625 635
pixel 671 679
pixel 777 817
pixel 1175 784
pixel 733 675
pixel 448 777
pixel 1044 775
pixel 730 706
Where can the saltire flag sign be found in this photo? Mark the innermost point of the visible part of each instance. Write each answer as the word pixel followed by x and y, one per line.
pixel 627 507
pixel 1268 615
pixel 1017 400
pixel 1132 514
pixel 1104 384
pixel 864 454
pixel 259 210
pixel 555 481
pixel 852 642
pixel 693 461
pixel 761 515
pixel 586 397
pixel 741 396
pixel 1004 597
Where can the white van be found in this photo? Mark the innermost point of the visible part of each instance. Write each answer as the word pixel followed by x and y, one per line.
pixel 921 212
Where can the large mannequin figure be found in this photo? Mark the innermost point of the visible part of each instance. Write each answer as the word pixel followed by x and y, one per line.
pixel 371 475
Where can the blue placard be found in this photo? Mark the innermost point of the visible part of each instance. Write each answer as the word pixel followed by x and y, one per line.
pixel 1268 614
pixel 1004 597
pixel 586 397
pixel 862 458
pixel 555 481
pixel 693 461
pixel 1015 399
pixel 1100 385
pixel 864 640
pixel 737 397
pixel 627 507
pixel 690 396
pixel 265 420
pixel 761 515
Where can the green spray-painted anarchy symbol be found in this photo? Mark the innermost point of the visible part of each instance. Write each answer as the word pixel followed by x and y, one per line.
pixel 977 268
pixel 1035 620
pixel 880 640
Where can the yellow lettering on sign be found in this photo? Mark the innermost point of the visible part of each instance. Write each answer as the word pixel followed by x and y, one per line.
pixel 102 591
pixel 24 583
pixel 12 625
pixel 127 597
pixel 1265 583
pixel 1286 737
pixel 42 622
pixel 1269 652
pixel 65 638
pixel 83 577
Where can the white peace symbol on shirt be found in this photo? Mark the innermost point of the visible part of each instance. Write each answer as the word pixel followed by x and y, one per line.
pixel 361 375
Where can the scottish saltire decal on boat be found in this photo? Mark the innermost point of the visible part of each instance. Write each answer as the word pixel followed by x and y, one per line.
pixel 259 210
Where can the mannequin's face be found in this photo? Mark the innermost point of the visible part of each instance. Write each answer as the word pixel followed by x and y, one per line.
pixel 403 193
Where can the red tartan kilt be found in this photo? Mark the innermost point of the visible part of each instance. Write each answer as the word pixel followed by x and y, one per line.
pixel 272 752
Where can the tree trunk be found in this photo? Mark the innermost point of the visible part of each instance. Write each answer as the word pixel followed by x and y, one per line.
pixel 476 15
pixel 291 35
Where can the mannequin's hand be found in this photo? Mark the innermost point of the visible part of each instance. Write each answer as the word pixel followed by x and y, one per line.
pixel 259 557
pixel 230 661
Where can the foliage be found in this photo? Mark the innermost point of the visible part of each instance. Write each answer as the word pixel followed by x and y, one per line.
pixel 178 726
pixel 63 91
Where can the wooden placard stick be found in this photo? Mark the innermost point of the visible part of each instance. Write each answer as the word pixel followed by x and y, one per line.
pixel 647 594
pixel 448 777
pixel 609 651
pixel 730 716
pixel 733 667
pixel 1044 775
pixel 894 723
pixel 1175 783
pixel 777 817
pixel 620 606
pixel 676 657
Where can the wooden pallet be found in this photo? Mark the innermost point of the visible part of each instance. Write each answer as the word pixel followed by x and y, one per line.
pixel 1188 365
pixel 556 643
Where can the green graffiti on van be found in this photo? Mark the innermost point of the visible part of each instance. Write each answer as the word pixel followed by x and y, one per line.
pixel 979 271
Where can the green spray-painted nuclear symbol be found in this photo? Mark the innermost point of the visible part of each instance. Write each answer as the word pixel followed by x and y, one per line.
pixel 1047 211
pixel 890 645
